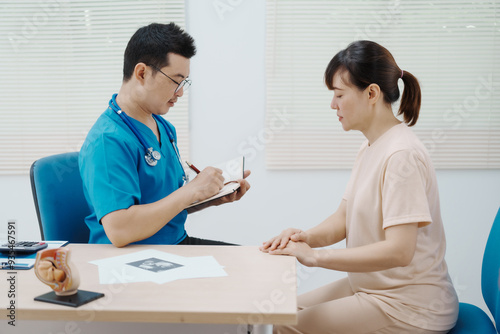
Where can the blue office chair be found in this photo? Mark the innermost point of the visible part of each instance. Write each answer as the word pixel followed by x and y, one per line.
pixel 59 200
pixel 471 319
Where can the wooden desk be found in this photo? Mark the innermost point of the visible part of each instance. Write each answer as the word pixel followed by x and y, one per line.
pixel 259 289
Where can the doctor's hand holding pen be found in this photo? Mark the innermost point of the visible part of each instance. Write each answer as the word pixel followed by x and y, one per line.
pixel 210 181
pixel 206 183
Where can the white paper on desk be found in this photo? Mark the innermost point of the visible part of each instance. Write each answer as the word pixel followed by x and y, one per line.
pixel 195 267
pixel 127 268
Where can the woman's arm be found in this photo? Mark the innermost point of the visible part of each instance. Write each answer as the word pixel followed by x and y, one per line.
pixel 328 232
pixel 396 250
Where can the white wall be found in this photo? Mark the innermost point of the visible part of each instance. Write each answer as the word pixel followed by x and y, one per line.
pixel 228 106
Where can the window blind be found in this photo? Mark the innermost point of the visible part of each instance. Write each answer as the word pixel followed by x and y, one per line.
pixel 452 47
pixel 61 62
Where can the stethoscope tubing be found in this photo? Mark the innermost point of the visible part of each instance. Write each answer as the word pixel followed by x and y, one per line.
pixel 114 106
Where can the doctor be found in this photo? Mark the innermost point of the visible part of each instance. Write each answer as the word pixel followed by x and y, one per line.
pixel 132 175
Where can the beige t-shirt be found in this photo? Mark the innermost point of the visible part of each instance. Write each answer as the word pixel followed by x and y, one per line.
pixel 393 182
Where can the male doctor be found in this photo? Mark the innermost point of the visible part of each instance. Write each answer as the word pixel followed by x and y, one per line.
pixel 132 175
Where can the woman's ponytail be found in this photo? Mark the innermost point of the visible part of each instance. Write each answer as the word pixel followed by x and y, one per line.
pixel 411 99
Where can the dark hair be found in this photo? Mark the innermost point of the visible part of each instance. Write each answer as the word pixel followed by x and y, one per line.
pixel 367 62
pixel 152 43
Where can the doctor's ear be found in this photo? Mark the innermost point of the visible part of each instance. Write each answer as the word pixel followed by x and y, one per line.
pixel 374 93
pixel 140 71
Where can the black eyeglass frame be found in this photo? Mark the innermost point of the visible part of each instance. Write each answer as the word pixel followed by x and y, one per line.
pixel 183 84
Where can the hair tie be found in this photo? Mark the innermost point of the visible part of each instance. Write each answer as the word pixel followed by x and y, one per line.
pixel 401 74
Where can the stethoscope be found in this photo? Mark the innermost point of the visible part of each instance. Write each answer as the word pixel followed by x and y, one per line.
pixel 151 155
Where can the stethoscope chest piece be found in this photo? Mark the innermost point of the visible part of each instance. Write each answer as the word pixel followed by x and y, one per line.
pixel 152 157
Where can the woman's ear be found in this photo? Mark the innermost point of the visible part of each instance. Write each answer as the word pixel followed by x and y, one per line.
pixel 374 93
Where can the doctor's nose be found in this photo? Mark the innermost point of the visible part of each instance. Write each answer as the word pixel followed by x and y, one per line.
pixel 180 92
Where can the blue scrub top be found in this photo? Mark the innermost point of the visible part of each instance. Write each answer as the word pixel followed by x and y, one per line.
pixel 116 176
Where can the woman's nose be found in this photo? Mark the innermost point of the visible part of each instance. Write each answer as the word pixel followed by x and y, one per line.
pixel 333 104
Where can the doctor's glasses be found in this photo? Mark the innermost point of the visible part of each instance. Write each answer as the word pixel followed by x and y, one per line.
pixel 183 84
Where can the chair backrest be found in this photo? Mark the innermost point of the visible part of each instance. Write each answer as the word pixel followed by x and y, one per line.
pixel 59 200
pixel 490 275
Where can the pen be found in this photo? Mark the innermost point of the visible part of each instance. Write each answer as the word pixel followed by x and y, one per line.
pixel 193 167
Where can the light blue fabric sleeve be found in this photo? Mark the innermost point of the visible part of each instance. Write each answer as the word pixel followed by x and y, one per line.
pixel 110 174
pixel 116 176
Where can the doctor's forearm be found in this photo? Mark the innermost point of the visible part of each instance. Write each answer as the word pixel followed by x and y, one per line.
pixel 139 222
